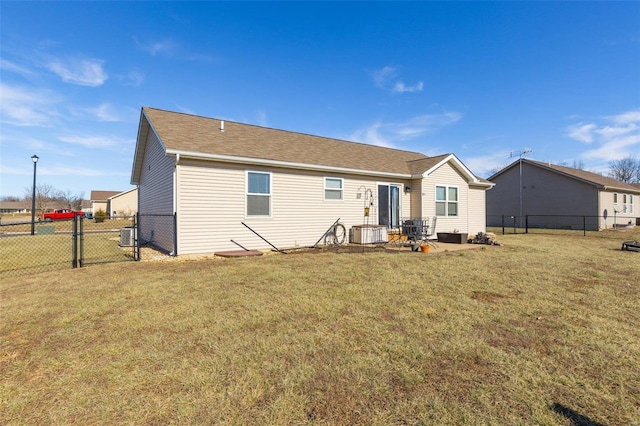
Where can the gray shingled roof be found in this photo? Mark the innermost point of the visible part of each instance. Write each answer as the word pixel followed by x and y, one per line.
pixel 593 178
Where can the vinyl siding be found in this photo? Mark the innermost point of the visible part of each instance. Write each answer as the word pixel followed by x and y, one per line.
pixel 544 193
pixel 156 195
pixel 446 175
pixel 477 208
pixel 605 200
pixel 211 207
pixel 126 204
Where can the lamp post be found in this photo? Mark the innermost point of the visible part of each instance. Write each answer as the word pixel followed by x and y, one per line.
pixel 34 158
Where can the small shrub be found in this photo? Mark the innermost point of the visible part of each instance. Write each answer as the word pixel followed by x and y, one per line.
pixel 100 216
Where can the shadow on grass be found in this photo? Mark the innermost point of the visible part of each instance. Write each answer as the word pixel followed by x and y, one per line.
pixel 574 417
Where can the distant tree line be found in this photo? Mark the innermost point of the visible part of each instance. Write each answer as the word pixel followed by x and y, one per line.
pixel 48 197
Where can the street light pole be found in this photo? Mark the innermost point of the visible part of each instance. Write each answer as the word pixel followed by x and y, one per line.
pixel 34 158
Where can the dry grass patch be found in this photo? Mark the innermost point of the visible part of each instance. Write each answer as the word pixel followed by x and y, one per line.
pixel 534 332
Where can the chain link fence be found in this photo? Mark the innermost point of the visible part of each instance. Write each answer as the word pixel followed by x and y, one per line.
pixel 514 224
pixel 64 244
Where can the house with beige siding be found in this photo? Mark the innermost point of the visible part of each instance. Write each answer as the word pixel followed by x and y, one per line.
pixel 100 201
pixel 215 175
pixel 561 197
pixel 124 203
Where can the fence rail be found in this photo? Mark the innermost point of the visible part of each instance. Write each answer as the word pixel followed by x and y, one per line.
pixel 514 224
pixel 64 244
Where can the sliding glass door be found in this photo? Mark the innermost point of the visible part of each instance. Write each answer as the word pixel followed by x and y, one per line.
pixel 389 206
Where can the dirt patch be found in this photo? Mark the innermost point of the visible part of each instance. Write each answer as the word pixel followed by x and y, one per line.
pixel 487 296
pixel 530 334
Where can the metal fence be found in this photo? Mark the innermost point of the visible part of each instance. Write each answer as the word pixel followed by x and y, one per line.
pixel 514 224
pixel 158 231
pixel 64 244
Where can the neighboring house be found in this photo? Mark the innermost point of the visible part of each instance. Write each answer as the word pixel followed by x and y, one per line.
pixel 15 206
pixel 124 203
pixel 289 187
pixel 556 196
pixel 100 201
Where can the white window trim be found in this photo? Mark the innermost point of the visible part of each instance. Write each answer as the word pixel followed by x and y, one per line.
pixel 446 200
pixel 615 198
pixel 247 193
pixel 630 203
pixel 324 193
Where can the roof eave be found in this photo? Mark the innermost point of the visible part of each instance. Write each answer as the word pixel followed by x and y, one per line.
pixel 471 178
pixel 283 164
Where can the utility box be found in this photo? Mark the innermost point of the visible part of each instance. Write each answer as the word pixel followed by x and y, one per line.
pixel 369 234
pixel 128 236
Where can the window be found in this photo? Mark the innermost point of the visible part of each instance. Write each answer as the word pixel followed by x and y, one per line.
pixel 446 201
pixel 332 188
pixel 630 203
pixel 615 198
pixel 258 194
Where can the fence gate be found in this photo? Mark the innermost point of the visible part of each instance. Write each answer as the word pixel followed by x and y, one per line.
pixel 105 240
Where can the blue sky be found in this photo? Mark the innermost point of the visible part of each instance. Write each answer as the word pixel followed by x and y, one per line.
pixel 477 79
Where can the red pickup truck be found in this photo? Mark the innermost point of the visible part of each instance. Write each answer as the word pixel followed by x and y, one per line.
pixel 61 214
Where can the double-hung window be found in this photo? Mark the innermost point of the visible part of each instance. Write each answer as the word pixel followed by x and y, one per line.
pixel 630 203
pixel 333 188
pixel 446 201
pixel 258 194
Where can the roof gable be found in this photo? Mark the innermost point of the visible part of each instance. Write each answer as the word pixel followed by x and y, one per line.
pixel 603 182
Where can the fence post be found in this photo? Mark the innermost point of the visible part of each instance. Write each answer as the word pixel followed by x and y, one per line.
pixel 81 243
pixel 584 226
pixel 526 224
pixel 74 241
pixel 136 229
pixel 502 224
pixel 514 224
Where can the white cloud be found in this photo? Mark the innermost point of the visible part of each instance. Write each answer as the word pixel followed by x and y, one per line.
pixel 70 171
pixel 102 142
pixel 400 87
pixel 83 72
pixel 105 112
pixel 385 78
pixel 581 132
pixel 165 47
pixel 381 76
pixel 627 117
pixel 389 134
pixel 613 137
pixel 133 78
pixel 486 165
pixel 12 67
pixel 20 106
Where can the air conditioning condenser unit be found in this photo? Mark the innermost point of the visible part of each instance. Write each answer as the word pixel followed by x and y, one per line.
pixel 128 236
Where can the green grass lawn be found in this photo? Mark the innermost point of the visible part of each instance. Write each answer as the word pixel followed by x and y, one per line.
pixel 543 330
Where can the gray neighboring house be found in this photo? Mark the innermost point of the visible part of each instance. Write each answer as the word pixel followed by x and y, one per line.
pixel 554 196
pixel 290 187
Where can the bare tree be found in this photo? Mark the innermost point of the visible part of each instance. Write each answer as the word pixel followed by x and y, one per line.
pixel 578 164
pixel 625 170
pixel 45 195
pixel 70 200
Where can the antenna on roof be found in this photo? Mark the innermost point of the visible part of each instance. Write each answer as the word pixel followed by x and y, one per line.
pixel 521 153
pixel 222 125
